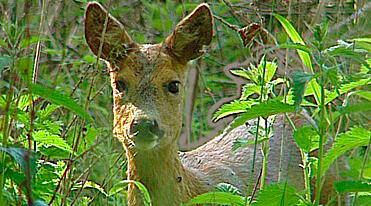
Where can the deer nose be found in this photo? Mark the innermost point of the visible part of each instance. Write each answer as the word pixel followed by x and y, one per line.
pixel 145 127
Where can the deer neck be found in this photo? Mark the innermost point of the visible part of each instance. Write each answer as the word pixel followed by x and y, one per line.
pixel 161 171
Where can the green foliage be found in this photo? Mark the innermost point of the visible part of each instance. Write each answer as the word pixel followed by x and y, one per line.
pixel 122 185
pixel 264 109
pixel 295 38
pixel 299 81
pixel 306 138
pixel 351 186
pixel 277 194
pixel 219 198
pixel 225 187
pixel 25 158
pixel 354 137
pixel 58 98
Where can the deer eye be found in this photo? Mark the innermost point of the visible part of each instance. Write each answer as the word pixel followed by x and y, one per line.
pixel 120 86
pixel 173 87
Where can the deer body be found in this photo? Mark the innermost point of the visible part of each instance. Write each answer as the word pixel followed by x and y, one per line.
pixel 147 83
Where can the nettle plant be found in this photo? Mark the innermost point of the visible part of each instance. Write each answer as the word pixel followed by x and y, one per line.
pixel 333 89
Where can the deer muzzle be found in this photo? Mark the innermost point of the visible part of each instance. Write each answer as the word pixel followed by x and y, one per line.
pixel 146 133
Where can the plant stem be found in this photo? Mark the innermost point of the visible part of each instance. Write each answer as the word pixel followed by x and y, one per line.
pixel 322 128
pixel 256 138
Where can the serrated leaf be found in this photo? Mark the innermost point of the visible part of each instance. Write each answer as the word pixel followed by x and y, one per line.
pixel 306 138
pixel 122 184
pixel 299 81
pixel 264 109
pixel 295 38
pixel 234 107
pixel 244 142
pixel 48 139
pixel 249 89
pixel 226 187
pixel 60 99
pixel 21 156
pixel 242 73
pixel 277 194
pixel 48 110
pixel 355 137
pixel 220 198
pixel 352 186
pixel 346 87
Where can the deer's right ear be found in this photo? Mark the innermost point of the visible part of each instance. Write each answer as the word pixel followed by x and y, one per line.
pixel 116 41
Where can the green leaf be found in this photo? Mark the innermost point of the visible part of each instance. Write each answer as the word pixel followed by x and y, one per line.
pixel 355 137
pixel 21 156
pixel 90 184
pixel 357 107
pixel 220 198
pixel 295 38
pixel 277 194
pixel 48 139
pixel 364 94
pixel 249 89
pixel 234 107
pixel 300 47
pixel 48 110
pixel 226 187
pixel 122 184
pixel 264 109
pixel 299 81
pixel 244 142
pixel 60 99
pixel 345 88
pixel 352 186
pixel 347 50
pixel 306 138
pixel 244 73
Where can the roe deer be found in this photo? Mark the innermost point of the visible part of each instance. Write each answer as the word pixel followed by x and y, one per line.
pixel 147 83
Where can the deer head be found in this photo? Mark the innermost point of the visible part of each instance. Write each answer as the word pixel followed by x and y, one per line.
pixel 147 80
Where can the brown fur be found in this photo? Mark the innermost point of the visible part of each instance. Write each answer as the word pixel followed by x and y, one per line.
pixel 146 70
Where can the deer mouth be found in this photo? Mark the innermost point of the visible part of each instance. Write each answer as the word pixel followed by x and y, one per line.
pixel 145 133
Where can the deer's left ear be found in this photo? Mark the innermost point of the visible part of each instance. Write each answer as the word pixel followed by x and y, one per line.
pixel 191 34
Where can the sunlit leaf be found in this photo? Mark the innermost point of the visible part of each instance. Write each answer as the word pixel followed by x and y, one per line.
pixel 264 109
pixel 234 107
pixel 51 140
pixel 226 187
pixel 295 38
pixel 355 137
pixel 347 87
